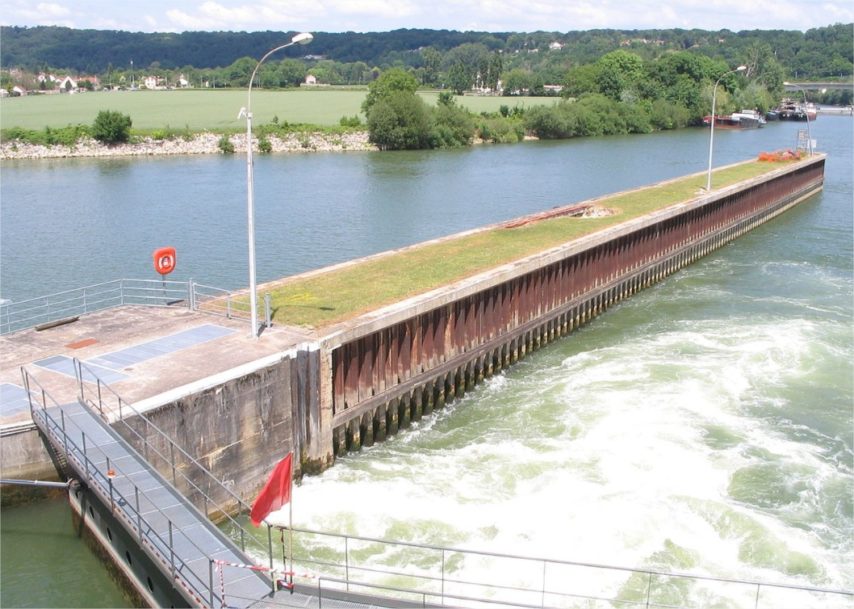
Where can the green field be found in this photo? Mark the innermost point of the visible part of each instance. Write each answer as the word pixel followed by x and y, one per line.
pixel 209 110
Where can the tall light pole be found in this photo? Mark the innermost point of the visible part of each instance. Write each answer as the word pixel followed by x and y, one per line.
pixel 806 114
pixel 302 38
pixel 712 123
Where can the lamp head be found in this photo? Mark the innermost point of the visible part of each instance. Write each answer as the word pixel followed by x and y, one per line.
pixel 302 38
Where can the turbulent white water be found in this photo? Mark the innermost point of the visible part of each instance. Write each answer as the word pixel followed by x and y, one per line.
pixel 703 426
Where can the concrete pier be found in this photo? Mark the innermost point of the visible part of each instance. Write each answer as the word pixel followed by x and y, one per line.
pixel 238 404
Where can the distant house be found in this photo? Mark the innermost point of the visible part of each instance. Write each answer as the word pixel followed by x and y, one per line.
pixel 183 82
pixel 94 81
pixel 18 91
pixel 310 79
pixel 149 82
pixel 555 46
pixel 67 85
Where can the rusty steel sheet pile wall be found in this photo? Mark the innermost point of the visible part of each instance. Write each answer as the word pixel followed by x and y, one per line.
pixel 401 371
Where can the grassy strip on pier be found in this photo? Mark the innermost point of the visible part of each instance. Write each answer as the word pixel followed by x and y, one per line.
pixel 342 293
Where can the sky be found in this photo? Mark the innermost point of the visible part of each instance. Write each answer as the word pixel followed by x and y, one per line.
pixel 385 15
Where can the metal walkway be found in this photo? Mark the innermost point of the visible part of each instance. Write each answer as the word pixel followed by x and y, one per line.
pixel 181 540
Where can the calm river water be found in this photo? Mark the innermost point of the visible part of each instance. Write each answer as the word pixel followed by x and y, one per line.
pixel 704 425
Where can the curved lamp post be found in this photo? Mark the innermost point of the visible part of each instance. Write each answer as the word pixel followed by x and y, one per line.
pixel 806 114
pixel 303 38
pixel 712 123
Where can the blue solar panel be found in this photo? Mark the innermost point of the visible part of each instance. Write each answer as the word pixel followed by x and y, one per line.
pixel 13 399
pixel 160 346
pixel 65 365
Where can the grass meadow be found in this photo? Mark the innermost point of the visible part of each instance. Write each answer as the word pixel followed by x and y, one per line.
pixel 199 110
pixel 337 295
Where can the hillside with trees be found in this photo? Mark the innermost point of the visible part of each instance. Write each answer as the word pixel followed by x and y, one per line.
pixel 452 59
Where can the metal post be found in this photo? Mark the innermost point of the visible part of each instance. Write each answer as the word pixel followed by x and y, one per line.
pixel 171 551
pixel 270 555
pixel 26 382
pixel 267 310
pixel 190 293
pixel 228 306
pixel 443 576
pixel 138 513
pixel 110 484
pixel 211 582
pixel 648 588
pixel 543 595
pixel 64 435
pixel 712 124
pixel 756 603
pixel 78 373
pixel 100 403
pixel 86 460
pixel 302 38
pixel 347 561
pixel 172 460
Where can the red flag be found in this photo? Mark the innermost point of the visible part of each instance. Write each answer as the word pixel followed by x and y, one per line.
pixel 276 493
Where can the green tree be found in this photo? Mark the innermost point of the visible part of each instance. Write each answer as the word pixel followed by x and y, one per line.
pixel 619 72
pixel 111 127
pixel 390 82
pixel 459 79
pixel 399 121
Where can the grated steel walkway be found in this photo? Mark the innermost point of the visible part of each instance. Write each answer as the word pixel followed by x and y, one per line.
pixel 168 528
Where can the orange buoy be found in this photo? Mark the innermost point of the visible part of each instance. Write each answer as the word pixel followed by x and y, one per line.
pixel 165 260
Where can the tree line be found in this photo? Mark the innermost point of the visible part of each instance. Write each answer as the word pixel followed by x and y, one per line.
pixel 443 58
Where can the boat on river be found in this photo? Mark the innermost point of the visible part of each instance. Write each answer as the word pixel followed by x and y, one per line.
pixel 790 110
pixel 746 119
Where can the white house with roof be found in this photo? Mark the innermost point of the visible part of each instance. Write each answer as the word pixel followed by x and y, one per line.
pixel 67 85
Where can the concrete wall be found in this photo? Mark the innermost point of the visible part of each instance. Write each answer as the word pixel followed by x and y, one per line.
pixel 387 368
pixel 394 365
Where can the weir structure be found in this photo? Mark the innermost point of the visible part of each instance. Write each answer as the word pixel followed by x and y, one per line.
pixel 397 364
pixel 323 391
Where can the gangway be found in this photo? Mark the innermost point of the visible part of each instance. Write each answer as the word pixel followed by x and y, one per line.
pixel 167 527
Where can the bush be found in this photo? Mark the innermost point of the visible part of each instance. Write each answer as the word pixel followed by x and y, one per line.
pixel 452 126
pixel 350 121
pixel 399 121
pixel 225 145
pixel 264 145
pixel 111 127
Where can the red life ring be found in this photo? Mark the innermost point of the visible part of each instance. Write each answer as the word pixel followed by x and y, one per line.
pixel 165 260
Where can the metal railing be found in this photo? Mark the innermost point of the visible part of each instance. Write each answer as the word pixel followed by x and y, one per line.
pixel 126 507
pixel 435 575
pixel 191 478
pixel 61 306
pixel 42 310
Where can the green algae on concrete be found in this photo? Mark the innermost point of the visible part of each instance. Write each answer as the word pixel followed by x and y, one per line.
pixel 329 296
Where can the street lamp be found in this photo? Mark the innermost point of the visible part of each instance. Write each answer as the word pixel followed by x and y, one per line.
pixel 712 123
pixel 806 114
pixel 302 38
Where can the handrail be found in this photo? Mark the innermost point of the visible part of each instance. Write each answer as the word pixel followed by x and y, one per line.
pixel 242 506
pixel 32 312
pixel 543 591
pixel 102 484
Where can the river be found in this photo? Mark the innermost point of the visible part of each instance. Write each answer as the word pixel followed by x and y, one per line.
pixel 704 425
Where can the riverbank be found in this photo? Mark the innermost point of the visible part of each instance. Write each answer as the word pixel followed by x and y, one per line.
pixel 200 143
